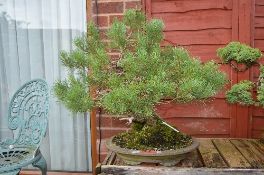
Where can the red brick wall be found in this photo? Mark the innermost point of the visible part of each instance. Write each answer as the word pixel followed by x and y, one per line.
pixel 104 14
pixel 106 10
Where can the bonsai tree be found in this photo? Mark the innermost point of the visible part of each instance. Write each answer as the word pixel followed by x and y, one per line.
pixel 143 75
pixel 242 92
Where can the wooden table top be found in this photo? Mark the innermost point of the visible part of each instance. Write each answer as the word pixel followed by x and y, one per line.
pixel 214 156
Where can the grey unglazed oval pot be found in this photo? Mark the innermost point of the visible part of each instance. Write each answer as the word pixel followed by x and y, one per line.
pixel 165 158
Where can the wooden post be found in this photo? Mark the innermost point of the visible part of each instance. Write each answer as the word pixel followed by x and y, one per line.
pixel 93 140
pixel 251 70
pixel 244 34
pixel 233 73
pixel 89 12
pixel 93 112
pixel 147 8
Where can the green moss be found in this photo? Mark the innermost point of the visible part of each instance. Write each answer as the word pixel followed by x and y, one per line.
pixel 152 137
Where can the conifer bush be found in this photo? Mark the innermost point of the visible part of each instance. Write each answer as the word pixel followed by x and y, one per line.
pixel 241 92
pixel 143 75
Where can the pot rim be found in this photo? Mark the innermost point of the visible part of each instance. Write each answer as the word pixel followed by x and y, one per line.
pixel 113 147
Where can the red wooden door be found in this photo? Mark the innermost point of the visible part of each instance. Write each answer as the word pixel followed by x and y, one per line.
pixel 202 26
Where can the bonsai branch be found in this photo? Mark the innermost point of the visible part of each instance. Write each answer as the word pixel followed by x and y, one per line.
pixel 129 120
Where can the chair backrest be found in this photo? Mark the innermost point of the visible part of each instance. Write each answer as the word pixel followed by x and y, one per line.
pixel 28 113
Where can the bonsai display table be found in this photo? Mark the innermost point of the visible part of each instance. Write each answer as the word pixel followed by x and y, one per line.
pixel 214 156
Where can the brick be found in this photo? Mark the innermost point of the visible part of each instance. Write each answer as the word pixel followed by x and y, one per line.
pixel 102 157
pixel 102 21
pixel 108 7
pixel 133 4
pixel 113 17
pixel 116 123
pixel 109 132
pixel 103 114
pixel 102 33
pixel 114 56
pixel 108 121
pixel 109 0
pixel 105 41
pixel 104 121
pixel 103 146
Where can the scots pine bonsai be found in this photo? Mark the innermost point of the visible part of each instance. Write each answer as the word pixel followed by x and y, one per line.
pixel 241 92
pixel 141 77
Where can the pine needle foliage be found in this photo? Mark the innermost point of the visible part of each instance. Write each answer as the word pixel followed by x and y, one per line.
pixel 260 88
pixel 143 75
pixel 241 93
pixel 241 53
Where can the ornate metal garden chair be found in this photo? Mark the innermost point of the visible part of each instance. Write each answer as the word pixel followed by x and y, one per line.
pixel 27 117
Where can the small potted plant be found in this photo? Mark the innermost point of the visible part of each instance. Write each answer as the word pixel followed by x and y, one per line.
pixel 132 85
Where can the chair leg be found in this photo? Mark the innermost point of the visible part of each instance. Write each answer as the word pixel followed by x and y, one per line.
pixel 41 164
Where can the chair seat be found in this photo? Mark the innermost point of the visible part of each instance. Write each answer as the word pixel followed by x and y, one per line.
pixel 28 118
pixel 16 158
